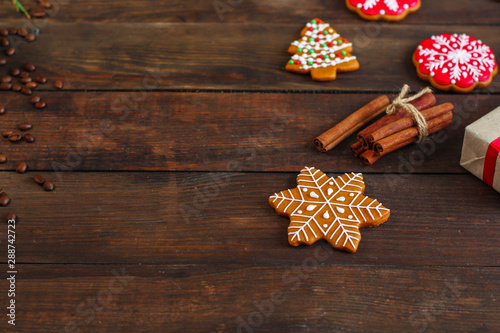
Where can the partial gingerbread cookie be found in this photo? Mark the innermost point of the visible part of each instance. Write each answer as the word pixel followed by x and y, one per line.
pixel 326 208
pixel 321 52
pixel 455 62
pixel 388 10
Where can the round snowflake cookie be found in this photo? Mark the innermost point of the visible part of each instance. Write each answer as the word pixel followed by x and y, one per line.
pixel 457 62
pixel 389 10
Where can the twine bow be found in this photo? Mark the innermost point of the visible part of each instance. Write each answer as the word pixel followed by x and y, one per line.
pixel 404 103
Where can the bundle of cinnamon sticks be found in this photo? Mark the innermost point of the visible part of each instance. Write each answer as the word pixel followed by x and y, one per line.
pixel 388 133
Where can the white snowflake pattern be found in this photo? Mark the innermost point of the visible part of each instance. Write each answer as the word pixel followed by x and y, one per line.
pixel 383 5
pixel 328 208
pixel 456 58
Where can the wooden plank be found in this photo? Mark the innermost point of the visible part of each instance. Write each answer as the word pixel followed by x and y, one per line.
pixel 209 132
pixel 186 218
pixel 228 298
pixel 292 11
pixel 204 56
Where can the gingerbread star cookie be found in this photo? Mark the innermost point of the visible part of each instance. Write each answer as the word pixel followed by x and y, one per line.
pixel 322 52
pixel 326 208
pixel 455 62
pixel 388 10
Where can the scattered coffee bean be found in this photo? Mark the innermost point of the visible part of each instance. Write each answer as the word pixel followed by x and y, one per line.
pixel 58 84
pixel 3 158
pixel 29 138
pixel 22 32
pixel 4 41
pixel 6 133
pixel 14 137
pixel 15 72
pixel 4 32
pixel 21 167
pixel 26 91
pixel 35 99
pixel 24 126
pixel 31 85
pixel 30 37
pixel 16 87
pixel 10 51
pixel 4 200
pixel 1 191
pixel 24 74
pixel 13 30
pixel 48 186
pixel 39 179
pixel 10 216
pixel 45 4
pixel 6 78
pixel 38 13
pixel 40 105
pixel 29 67
pixel 2 109
pixel 26 79
pixel 3 61
pixel 41 79
pixel 5 86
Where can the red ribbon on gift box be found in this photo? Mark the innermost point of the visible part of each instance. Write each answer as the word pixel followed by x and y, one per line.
pixel 490 162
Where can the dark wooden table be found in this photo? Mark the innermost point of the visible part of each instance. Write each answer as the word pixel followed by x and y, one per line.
pixel 174 126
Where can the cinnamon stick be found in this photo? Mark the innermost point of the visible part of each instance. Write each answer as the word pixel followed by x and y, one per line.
pixel 407 122
pixel 422 103
pixel 351 124
pixel 357 148
pixel 396 139
pixel 371 156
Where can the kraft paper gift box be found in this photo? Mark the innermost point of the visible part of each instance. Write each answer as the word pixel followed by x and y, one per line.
pixel 481 149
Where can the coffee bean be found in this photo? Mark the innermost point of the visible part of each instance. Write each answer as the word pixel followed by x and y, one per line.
pixel 4 32
pixel 26 79
pixel 10 216
pixel 21 167
pixel 41 79
pixel 4 200
pixel 4 41
pixel 2 109
pixel 24 74
pixel 3 158
pixel 5 86
pixel 29 67
pixel 16 87
pixel 10 51
pixel 14 137
pixel 58 84
pixel 3 61
pixel 13 30
pixel 6 133
pixel 39 179
pixel 38 13
pixel 29 138
pixel 40 105
pixel 25 126
pixel 6 78
pixel 22 32
pixel 26 91
pixel 35 99
pixel 1 191
pixel 48 186
pixel 31 85
pixel 15 72
pixel 30 37
pixel 45 4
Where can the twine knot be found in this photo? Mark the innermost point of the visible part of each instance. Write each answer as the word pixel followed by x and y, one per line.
pixel 401 102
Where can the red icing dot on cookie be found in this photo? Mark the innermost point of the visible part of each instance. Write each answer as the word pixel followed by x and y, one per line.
pixel 455 59
pixel 330 44
pixel 310 29
pixel 297 62
pixel 317 39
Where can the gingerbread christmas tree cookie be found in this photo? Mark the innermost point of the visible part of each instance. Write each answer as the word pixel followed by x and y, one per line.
pixel 322 52
pixel 389 10
pixel 326 208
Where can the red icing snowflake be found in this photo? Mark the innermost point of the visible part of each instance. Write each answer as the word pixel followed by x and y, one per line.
pixel 383 7
pixel 455 59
